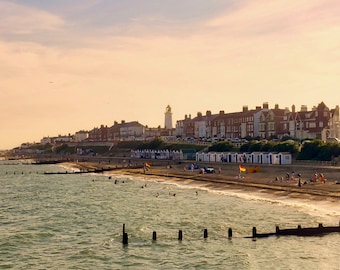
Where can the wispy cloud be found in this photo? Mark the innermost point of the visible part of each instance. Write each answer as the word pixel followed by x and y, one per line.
pixel 22 20
pixel 279 17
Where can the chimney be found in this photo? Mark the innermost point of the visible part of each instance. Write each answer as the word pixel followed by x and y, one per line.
pixel 276 106
pixel 303 108
pixel 265 105
pixel 245 108
pixel 208 113
pixel 286 110
pixel 293 109
pixel 221 112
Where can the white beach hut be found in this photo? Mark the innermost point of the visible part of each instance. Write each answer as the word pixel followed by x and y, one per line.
pixel 212 157
pixel 256 158
pixel 241 158
pixel 265 158
pixel 273 158
pixel 234 158
pixel 247 158
pixel 218 157
pixel 285 158
pixel 226 157
pixel 206 157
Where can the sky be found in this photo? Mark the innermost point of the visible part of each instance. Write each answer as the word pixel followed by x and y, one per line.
pixel 67 66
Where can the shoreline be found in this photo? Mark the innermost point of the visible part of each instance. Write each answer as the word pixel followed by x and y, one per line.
pixel 270 179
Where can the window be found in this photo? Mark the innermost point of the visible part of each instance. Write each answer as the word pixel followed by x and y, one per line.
pixel 320 124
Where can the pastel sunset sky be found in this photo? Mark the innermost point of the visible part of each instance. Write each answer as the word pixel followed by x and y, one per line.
pixel 73 65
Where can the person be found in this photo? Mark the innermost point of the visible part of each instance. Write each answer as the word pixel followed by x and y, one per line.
pixel 322 178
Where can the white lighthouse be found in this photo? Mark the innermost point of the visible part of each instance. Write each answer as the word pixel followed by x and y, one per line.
pixel 168 118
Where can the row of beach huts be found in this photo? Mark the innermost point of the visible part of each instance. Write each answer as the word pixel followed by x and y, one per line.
pixel 250 158
pixel 158 154
pixel 282 158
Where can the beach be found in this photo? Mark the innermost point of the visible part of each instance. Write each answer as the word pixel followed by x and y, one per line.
pixel 282 180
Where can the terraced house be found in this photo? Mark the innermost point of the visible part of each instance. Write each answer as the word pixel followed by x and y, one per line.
pixel 318 123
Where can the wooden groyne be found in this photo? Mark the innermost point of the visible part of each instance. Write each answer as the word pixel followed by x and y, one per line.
pixel 299 231
pixel 94 170
pixel 46 162
pixel 83 171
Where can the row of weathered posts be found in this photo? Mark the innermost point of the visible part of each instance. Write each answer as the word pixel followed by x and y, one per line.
pixel 299 231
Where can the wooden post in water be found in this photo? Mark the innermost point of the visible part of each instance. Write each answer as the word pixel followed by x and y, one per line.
pixel 180 235
pixel 205 233
pixel 125 236
pixel 154 236
pixel 277 229
pixel 230 233
pixel 254 232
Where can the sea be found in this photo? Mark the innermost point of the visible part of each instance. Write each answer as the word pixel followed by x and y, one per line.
pixel 76 221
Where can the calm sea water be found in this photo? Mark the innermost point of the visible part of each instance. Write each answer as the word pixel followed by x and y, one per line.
pixel 75 222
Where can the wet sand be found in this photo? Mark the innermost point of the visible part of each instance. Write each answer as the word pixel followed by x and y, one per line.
pixel 270 179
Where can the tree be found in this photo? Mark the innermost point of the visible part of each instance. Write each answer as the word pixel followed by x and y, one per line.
pixel 221 147
pixel 310 150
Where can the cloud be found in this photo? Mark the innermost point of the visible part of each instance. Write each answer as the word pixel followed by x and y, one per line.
pixel 279 17
pixel 22 20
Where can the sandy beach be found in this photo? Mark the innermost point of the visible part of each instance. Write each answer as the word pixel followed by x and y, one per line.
pixel 272 179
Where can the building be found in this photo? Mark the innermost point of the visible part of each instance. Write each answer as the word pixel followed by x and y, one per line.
pixel 270 122
pixel 263 122
pixel 332 133
pixel 100 134
pixel 168 118
pixel 131 131
pixel 81 136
